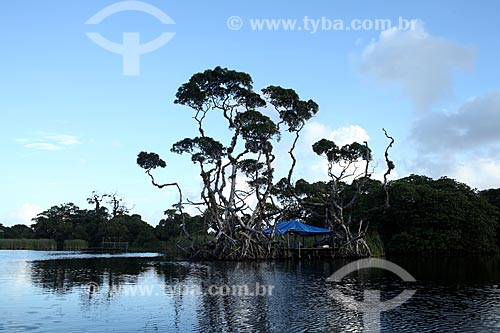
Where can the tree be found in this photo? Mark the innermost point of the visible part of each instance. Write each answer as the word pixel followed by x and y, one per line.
pixel 56 223
pixel 117 203
pixel 246 154
pixel 493 197
pixel 118 206
pixel 437 216
pixel 96 200
pixel 171 225
pixel 340 204
pixel 341 198
pixel 169 228
pixel 146 239
pixel 18 231
pixel 87 223
pixel 128 227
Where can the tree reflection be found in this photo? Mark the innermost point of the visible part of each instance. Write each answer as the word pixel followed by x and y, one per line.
pixel 299 299
pixel 61 276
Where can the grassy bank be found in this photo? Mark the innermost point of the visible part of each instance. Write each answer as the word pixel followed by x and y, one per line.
pixel 75 244
pixel 28 244
pixel 40 244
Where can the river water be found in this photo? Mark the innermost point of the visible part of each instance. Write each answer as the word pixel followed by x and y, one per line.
pixel 72 292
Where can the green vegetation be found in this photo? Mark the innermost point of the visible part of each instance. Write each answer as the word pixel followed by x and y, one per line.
pixel 240 195
pixel 425 216
pixel 245 150
pixel 75 244
pixel 67 227
pixel 411 215
pixel 27 244
pixel 437 216
pixel 375 244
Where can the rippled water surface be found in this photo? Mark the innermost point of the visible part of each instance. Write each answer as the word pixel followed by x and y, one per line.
pixel 70 292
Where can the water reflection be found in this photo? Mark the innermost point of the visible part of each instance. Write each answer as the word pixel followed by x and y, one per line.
pixel 62 275
pixel 453 270
pixel 454 295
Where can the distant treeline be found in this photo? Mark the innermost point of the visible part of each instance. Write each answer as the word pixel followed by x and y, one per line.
pixel 429 216
pixel 70 228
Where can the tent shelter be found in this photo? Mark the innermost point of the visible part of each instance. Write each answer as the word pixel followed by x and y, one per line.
pixel 296 227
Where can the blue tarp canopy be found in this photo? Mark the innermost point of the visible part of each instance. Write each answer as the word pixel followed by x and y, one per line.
pixel 298 227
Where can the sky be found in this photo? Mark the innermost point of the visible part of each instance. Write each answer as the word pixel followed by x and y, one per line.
pixel 74 115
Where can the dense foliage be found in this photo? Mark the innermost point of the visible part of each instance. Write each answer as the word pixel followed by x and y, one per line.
pixel 69 227
pixel 427 216
pixel 237 166
pixel 240 196
pixel 437 216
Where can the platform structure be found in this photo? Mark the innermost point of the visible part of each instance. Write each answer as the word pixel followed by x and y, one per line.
pixel 312 252
pixel 109 245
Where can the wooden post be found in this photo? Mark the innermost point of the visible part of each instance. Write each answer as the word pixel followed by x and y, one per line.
pixel 288 244
pixel 299 249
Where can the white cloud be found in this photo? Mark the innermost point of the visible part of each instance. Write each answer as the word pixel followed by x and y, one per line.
pixel 313 167
pixel 473 127
pixel 464 144
pixel 23 215
pixel 421 64
pixel 482 173
pixel 315 131
pixel 47 141
pixel 42 146
pixel 346 135
pixel 65 140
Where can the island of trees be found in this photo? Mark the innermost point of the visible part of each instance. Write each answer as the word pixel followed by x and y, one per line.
pixel 243 193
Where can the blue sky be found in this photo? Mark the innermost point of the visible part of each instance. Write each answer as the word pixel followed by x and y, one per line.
pixel 73 123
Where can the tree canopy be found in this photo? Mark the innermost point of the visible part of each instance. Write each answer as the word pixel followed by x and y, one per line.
pixel 437 216
pixel 248 153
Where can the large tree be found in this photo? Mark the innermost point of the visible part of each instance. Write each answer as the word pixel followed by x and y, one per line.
pixel 56 223
pixel 244 151
pixel 437 216
pixel 116 202
pixel 17 231
pixel 341 203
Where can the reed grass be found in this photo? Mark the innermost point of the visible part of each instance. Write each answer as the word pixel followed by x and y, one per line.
pixel 75 244
pixel 41 244
pixel 28 244
pixel 375 243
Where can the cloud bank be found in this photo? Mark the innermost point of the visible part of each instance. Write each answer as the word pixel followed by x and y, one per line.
pixel 463 143
pixel 474 126
pixel 421 64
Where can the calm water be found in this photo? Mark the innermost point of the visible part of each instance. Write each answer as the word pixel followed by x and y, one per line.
pixel 68 292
